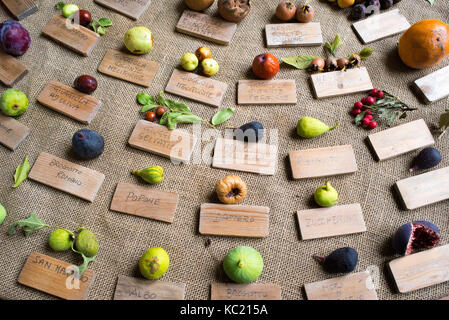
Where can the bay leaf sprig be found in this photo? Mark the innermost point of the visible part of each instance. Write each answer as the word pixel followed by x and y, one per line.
pixel 21 173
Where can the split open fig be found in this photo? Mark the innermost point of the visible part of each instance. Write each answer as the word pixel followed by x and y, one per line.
pixel 231 189
pixel 234 10
pixel 416 235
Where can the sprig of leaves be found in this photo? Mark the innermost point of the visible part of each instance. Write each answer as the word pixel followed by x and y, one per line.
pixel 60 5
pixel 443 123
pixel 299 62
pixel 101 25
pixel 365 53
pixel 332 47
pixel 21 173
pixel 29 225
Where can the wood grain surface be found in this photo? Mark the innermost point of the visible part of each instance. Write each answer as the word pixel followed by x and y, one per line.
pixel 293 34
pixel 12 132
pixel 434 86
pixel 130 8
pixel 11 69
pixel 267 92
pixel 21 8
pixel 128 288
pixel 252 291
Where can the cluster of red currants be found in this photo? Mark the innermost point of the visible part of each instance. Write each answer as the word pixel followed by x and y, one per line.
pixel 364 106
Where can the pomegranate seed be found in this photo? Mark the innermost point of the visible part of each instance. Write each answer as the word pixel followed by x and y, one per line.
pixel 372 125
pixel 358 105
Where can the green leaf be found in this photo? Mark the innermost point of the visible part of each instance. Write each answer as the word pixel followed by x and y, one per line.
pixel 29 225
pixel 86 260
pixel 360 117
pixel 145 99
pixel 300 62
pixel 365 53
pixel 431 2
pixel 174 118
pixel 94 25
pixel 332 47
pixel 105 22
pixel 163 120
pixel 21 173
pixel 148 107
pixel 60 5
pixel 222 116
pixel 172 105
pixel 443 123
pixel 101 30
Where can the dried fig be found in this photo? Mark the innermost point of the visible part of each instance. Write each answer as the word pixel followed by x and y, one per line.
pixel 234 10
pixel 231 189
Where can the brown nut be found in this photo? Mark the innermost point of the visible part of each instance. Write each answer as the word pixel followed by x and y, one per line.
pixel 231 189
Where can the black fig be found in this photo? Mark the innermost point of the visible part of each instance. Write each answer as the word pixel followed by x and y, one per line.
pixel 415 235
pixel 426 159
pixel 343 260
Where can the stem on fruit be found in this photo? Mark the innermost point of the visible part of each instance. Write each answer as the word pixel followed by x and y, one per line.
pixel 320 259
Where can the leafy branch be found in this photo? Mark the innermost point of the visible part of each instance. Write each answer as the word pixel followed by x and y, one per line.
pixel 332 47
pixel 29 225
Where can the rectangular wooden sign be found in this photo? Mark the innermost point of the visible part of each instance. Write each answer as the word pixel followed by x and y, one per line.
pixel 434 86
pixel 380 26
pixel 424 189
pixel 355 286
pixel 337 83
pixel 322 162
pixel 205 27
pixel 237 155
pixel 130 8
pixel 145 202
pixel 333 221
pixel 12 132
pixel 421 270
pixel 129 67
pixel 140 289
pixel 253 291
pixel 51 276
pixel 401 139
pixel 267 92
pixel 234 220
pixel 20 8
pixel 70 102
pixel 73 36
pixel 174 144
pixel 11 69
pixel 293 34
pixel 69 177
pixel 196 87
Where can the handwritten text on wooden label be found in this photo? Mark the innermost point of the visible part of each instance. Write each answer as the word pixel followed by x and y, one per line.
pixel 267 92
pixel 434 86
pixel 254 291
pixel 140 289
pixel 130 8
pixel 12 132
pixel 293 34
pixel 21 8
pixel 11 69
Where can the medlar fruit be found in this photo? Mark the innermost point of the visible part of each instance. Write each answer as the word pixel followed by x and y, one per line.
pixel 234 10
pixel 231 189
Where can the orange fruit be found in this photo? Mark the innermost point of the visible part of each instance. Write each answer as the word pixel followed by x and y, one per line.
pixel 425 44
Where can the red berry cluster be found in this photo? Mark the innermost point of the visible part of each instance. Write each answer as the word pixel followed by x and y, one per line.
pixel 364 104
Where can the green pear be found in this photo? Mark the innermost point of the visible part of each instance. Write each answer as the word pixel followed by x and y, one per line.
pixel 13 102
pixel 309 127
pixel 326 196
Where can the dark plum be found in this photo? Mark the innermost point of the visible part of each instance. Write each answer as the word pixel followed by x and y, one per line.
pixel 86 84
pixel 87 144
pixel 249 132
pixel 357 12
pixel 343 260
pixel 414 236
pixel 426 159
pixel 14 38
pixel 84 17
pixel 386 4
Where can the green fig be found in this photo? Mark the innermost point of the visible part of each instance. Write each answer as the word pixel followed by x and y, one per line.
pixel 309 127
pixel 60 239
pixel 152 175
pixel 86 242
pixel 326 196
pixel 2 214
pixel 13 102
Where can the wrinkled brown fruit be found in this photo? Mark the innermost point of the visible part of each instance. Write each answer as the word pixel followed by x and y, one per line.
pixel 342 63
pixel 285 11
pixel 305 14
pixel 317 64
pixel 231 189
pixel 199 5
pixel 331 64
pixel 234 10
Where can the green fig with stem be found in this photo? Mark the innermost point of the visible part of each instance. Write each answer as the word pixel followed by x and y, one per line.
pixel 309 127
pixel 326 196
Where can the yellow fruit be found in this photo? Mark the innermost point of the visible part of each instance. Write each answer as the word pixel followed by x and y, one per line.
pixel 345 3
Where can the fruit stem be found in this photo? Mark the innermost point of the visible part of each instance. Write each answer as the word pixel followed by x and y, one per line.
pixel 413 169
pixel 336 125
pixel 135 172
pixel 327 185
pixel 320 259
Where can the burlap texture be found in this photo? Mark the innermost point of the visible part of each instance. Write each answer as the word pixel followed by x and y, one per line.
pixel 123 238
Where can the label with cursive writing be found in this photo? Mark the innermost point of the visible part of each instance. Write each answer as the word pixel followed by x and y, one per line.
pixel 11 69
pixel 253 291
pixel 293 34
pixel 130 8
pixel 267 92
pixel 140 289
pixel 21 8
pixel 12 132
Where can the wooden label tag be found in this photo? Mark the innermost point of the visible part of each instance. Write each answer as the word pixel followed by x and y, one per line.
pixel 253 291
pixel 401 139
pixel 130 8
pixel 337 83
pixel 128 67
pixel 355 286
pixel 267 92
pixel 11 69
pixel 329 222
pixel 293 34
pixel 20 8
pixel 424 189
pixel 196 87
pixel 70 102
pixel 174 144
pixel 381 26
pixel 205 27
pixel 69 177
pixel 73 36
pixel 421 270
pixel 145 202
pixel 237 155
pixel 140 289
pixel 12 132
pixel 55 277
pixel 322 162
pixel 434 86
pixel 234 220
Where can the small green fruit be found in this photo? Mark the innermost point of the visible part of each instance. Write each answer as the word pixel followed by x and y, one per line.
pixel 243 264
pixel 210 67
pixel 86 242
pixel 139 40
pixel 154 263
pixel 2 214
pixel 189 61
pixel 60 239
pixel 69 10
pixel 13 102
pixel 309 127
pixel 152 175
pixel 326 196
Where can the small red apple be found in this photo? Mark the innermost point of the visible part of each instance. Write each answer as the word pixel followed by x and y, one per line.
pixel 265 66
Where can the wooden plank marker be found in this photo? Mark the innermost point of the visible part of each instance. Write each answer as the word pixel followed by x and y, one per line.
pixel 130 8
pixel 293 34
pixel 145 202
pixel 129 67
pixel 253 291
pixel 237 155
pixel 401 139
pixel 12 132
pixel 424 189
pixel 11 69
pixel 434 86
pixel 322 162
pixel 234 220
pixel 205 27
pixel 69 102
pixel 267 92
pixel 140 289
pixel 354 286
pixel 337 83
pixel 196 87
pixel 69 177
pixel 421 270
pixel 21 8
pixel 73 36
pixel 174 144
pixel 381 26
pixel 49 275
pixel 329 222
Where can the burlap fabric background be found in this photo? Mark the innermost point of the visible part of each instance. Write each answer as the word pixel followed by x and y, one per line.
pixel 123 238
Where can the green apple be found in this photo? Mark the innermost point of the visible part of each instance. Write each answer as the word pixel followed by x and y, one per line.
pixel 189 61
pixel 139 40
pixel 326 196
pixel 69 10
pixel 210 67
pixel 2 214
pixel 13 102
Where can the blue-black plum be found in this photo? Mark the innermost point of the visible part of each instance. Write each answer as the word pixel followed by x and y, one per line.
pixel 249 132
pixel 87 144
pixel 426 159
pixel 414 236
pixel 14 38
pixel 343 260
pixel 357 12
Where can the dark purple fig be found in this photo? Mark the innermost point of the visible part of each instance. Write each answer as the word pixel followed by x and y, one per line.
pixel 343 260
pixel 414 236
pixel 386 4
pixel 357 12
pixel 426 159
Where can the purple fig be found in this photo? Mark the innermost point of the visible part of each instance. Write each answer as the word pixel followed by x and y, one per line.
pixel 426 159
pixel 343 260
pixel 414 236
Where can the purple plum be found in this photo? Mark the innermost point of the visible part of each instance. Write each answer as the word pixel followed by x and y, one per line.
pixel 14 38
